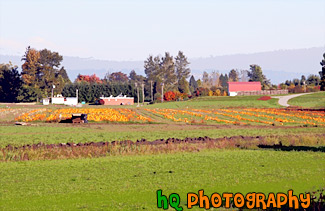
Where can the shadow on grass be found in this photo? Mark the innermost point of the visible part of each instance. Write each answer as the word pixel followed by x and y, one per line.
pixel 280 147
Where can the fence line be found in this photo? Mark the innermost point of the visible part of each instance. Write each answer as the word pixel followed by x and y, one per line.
pixel 263 92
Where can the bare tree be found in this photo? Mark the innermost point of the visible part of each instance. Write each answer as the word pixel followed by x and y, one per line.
pixel 243 75
pixel 214 78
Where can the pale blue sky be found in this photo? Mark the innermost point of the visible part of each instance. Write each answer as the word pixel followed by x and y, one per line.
pixel 131 30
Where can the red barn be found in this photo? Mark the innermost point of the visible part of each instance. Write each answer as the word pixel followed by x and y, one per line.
pixel 235 87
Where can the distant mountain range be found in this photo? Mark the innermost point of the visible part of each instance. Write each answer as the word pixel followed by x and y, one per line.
pixel 276 65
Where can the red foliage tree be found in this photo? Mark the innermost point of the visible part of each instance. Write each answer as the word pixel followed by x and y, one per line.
pixel 89 79
pixel 170 96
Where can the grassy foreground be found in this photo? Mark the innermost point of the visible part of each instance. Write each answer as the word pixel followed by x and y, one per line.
pixel 130 182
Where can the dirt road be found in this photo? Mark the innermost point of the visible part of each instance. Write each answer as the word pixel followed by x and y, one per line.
pixel 283 100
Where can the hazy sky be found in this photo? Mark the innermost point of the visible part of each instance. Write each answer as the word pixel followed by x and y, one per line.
pixel 131 30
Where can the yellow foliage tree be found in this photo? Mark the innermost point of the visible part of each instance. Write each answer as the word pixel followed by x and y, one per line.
pixel 217 92
pixel 30 67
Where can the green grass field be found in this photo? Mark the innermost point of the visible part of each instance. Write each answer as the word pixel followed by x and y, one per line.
pixel 315 100
pixel 220 102
pixel 130 182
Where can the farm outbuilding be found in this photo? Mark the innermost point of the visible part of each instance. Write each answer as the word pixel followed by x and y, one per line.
pixel 70 101
pixel 119 100
pixel 60 100
pixel 235 87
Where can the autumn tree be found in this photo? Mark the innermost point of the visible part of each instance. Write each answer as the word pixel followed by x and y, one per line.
pixel 88 79
pixel 31 67
pixel 30 90
pixel 41 70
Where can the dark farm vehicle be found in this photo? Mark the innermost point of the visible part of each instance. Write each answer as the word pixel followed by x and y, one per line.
pixel 79 118
pixel 76 118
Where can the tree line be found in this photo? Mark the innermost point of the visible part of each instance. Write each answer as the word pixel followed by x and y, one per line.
pixel 165 77
pixel 311 83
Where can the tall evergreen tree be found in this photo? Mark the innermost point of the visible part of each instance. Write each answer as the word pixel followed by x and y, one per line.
pixel 223 80
pixel 167 72
pixel 63 73
pixel 256 74
pixel 183 86
pixel 193 84
pixel 133 75
pixel 233 75
pixel 152 67
pixel 10 83
pixel 182 72
pixel 322 74
pixel 303 80
pixel 181 65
